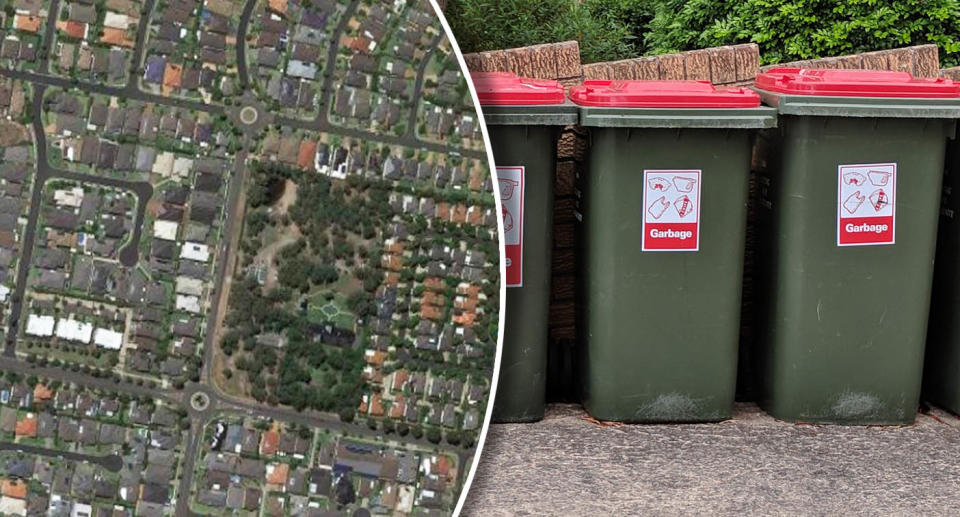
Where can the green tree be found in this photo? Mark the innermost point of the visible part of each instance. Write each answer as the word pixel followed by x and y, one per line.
pixel 453 437
pixel 606 29
pixel 790 30
pixel 434 435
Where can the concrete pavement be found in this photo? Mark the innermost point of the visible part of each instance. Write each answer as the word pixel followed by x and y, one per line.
pixel 751 465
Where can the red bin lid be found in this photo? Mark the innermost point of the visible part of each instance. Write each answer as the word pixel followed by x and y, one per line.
pixel 505 88
pixel 854 83
pixel 661 94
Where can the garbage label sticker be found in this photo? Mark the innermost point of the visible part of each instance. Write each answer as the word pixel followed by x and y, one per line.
pixel 671 210
pixel 511 183
pixel 866 204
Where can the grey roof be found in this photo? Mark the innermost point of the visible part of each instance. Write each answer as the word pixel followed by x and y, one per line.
pixel 145 158
pixel 51 279
pixel 113 434
pixel 161 457
pixel 82 13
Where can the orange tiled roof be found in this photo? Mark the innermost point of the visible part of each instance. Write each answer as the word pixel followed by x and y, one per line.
pixel 398 408
pixel 466 319
pixel 308 151
pixel 115 36
pixel 73 28
pixel 269 443
pixel 278 6
pixel 459 213
pixel 14 488
pixel 470 290
pixel 27 426
pixel 399 379
pixel 376 358
pixel 476 180
pixel 27 23
pixel 474 215
pixel 376 405
pixel 172 75
pixel 443 211
pixel 279 474
pixel 41 393
pixel 441 465
pixel 360 44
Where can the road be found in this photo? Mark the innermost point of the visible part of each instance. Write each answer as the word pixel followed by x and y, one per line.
pixel 242 28
pixel 136 64
pixel 30 231
pixel 221 271
pixel 326 90
pixel 88 381
pixel 221 404
pixel 418 86
pixel 48 31
pixel 188 469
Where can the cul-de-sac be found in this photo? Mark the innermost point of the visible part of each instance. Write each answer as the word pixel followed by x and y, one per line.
pixel 248 259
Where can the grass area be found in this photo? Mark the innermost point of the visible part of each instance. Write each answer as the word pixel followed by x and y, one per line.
pixel 322 309
pixel 317 377
pixel 72 355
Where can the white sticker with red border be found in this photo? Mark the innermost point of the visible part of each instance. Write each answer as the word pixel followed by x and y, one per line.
pixel 512 185
pixel 671 214
pixel 866 204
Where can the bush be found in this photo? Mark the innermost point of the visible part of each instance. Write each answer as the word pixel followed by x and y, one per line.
pixel 785 30
pixel 606 29
pixel 805 29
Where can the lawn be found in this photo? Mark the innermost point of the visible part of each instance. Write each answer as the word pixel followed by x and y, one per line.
pixel 323 310
pixel 72 355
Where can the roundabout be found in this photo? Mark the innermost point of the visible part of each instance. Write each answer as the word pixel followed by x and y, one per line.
pixel 199 401
pixel 249 115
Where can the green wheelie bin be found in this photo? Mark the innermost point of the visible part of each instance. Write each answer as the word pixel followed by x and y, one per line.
pixel 941 372
pixel 524 118
pixel 847 220
pixel 663 214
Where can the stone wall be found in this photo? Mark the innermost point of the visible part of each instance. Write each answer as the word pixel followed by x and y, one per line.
pixel 951 73
pixel 920 60
pixel 549 61
pixel 724 66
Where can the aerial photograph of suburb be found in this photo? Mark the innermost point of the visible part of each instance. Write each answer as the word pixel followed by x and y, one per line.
pixel 249 260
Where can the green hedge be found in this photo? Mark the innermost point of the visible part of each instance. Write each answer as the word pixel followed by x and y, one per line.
pixel 606 29
pixel 785 30
pixel 805 29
